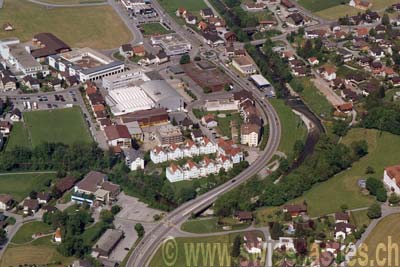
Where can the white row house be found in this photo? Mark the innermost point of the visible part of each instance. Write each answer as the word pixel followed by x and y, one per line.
pixel 188 149
pixel 191 170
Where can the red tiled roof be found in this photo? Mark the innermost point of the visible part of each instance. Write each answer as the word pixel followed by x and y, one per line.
pixel 116 131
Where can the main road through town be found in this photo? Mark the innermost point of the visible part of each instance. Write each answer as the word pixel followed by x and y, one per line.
pixel 154 238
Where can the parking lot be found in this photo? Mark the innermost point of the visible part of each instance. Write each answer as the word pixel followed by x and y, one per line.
pixel 134 210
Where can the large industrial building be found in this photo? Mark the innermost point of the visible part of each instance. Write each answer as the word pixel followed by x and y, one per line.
pixel 144 96
pixel 125 79
pixel 172 44
pixel 86 64
pixel 18 57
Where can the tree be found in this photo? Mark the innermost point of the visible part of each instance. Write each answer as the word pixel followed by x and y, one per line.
pixel 33 195
pixel 236 246
pixel 115 209
pixel 373 185
pixel 369 170
pixel 340 128
pixel 360 148
pixel 3 236
pixel 107 216
pixel 139 229
pixel 385 19
pixel 374 211
pixel 276 231
pixel 381 194
pixel 344 207
pixel 185 59
pixel 394 199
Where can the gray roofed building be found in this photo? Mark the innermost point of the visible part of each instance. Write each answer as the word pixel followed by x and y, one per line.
pixel 107 242
pixel 163 95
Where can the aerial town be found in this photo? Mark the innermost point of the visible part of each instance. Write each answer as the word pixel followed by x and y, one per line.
pixel 159 133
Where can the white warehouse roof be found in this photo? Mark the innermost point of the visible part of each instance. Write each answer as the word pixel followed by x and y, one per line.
pixel 260 80
pixel 128 99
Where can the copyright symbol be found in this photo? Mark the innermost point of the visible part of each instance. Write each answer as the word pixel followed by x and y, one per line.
pixel 169 251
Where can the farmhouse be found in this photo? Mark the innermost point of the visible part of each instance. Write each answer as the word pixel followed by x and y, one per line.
pixel 30 206
pixel 391 178
pixel 295 210
pixel 360 4
pixel 5 128
pixel 118 136
pixel 5 201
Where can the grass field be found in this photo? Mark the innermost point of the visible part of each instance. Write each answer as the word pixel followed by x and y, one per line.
pixel 19 185
pixel 185 257
pixel 97 27
pixel 359 218
pixel 335 12
pixel 39 252
pixel 388 227
pixel 315 100
pixel 193 6
pixel 19 137
pixel 293 128
pixel 154 28
pixel 224 124
pixel 327 197
pixel 317 5
pixel 71 2
pixel 62 125
pixel 26 231
pixel 208 225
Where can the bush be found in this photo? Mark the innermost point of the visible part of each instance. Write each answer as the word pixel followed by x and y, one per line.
pixel 185 59
pixel 374 211
pixel 115 209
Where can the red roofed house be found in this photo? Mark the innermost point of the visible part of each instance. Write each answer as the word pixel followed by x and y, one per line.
pixel 391 178
pixel 313 61
pixel 209 121
pixel 362 32
pixel 295 210
pixel 180 12
pixel 158 155
pixel 174 173
pixel 360 4
pixel 345 108
pixel 138 50
pixel 328 72
pixel 118 135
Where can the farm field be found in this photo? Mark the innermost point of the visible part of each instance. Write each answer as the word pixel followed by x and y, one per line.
pixel 63 125
pixel 343 188
pixel 337 11
pixel 153 29
pixel 209 225
pixel 71 2
pixel 19 137
pixel 317 5
pixel 26 231
pixel 72 25
pixel 184 244
pixel 20 184
pixel 193 6
pixel 39 252
pixel 293 128
pixel 387 228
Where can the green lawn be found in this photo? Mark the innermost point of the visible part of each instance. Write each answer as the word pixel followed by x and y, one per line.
pixel 293 128
pixel 19 137
pixel 153 28
pixel 224 124
pixel 26 231
pixel 97 27
pixel 209 225
pixel 335 12
pixel 40 252
pixel 71 2
pixel 360 218
pixel 91 234
pixel 193 6
pixel 315 100
pixel 327 197
pixel 388 227
pixel 186 248
pixel 19 185
pixel 62 125
pixel 317 5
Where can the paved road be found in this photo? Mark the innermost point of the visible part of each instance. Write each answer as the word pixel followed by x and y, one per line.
pixel 49 5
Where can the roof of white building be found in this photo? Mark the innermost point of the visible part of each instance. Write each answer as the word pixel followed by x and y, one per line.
pixel 129 99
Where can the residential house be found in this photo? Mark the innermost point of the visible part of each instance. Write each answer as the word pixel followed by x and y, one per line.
pixel 207 147
pixel 360 4
pixel 174 173
pixel 8 83
pixel 342 217
pixel 174 152
pixel 345 54
pixel 230 150
pixel 391 178
pixel 230 37
pixel 16 115
pixel 31 82
pixel 295 209
pixel 181 12
pixel 30 206
pixel 342 230
pixel 333 247
pixel 190 19
pixel 249 134
pixel 396 81
pixel 207 167
pixel 8 27
pixel 328 72
pixel 197 135
pixel 212 39
pixel 206 13
pixel 5 128
pixel 190 170
pixel 252 243
pixel 57 236
pixel 294 20
pixel 118 135
pixel 325 258
pixel 243 216
pixel 6 201
pixel 313 61
pixel 139 50
pixel 134 159
pixel 43 197
pixel 158 155
pixel 377 52
pixel 56 84
pixel 126 50
pixel 224 162
pixel 190 149
pixel 209 121
pixel 362 32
